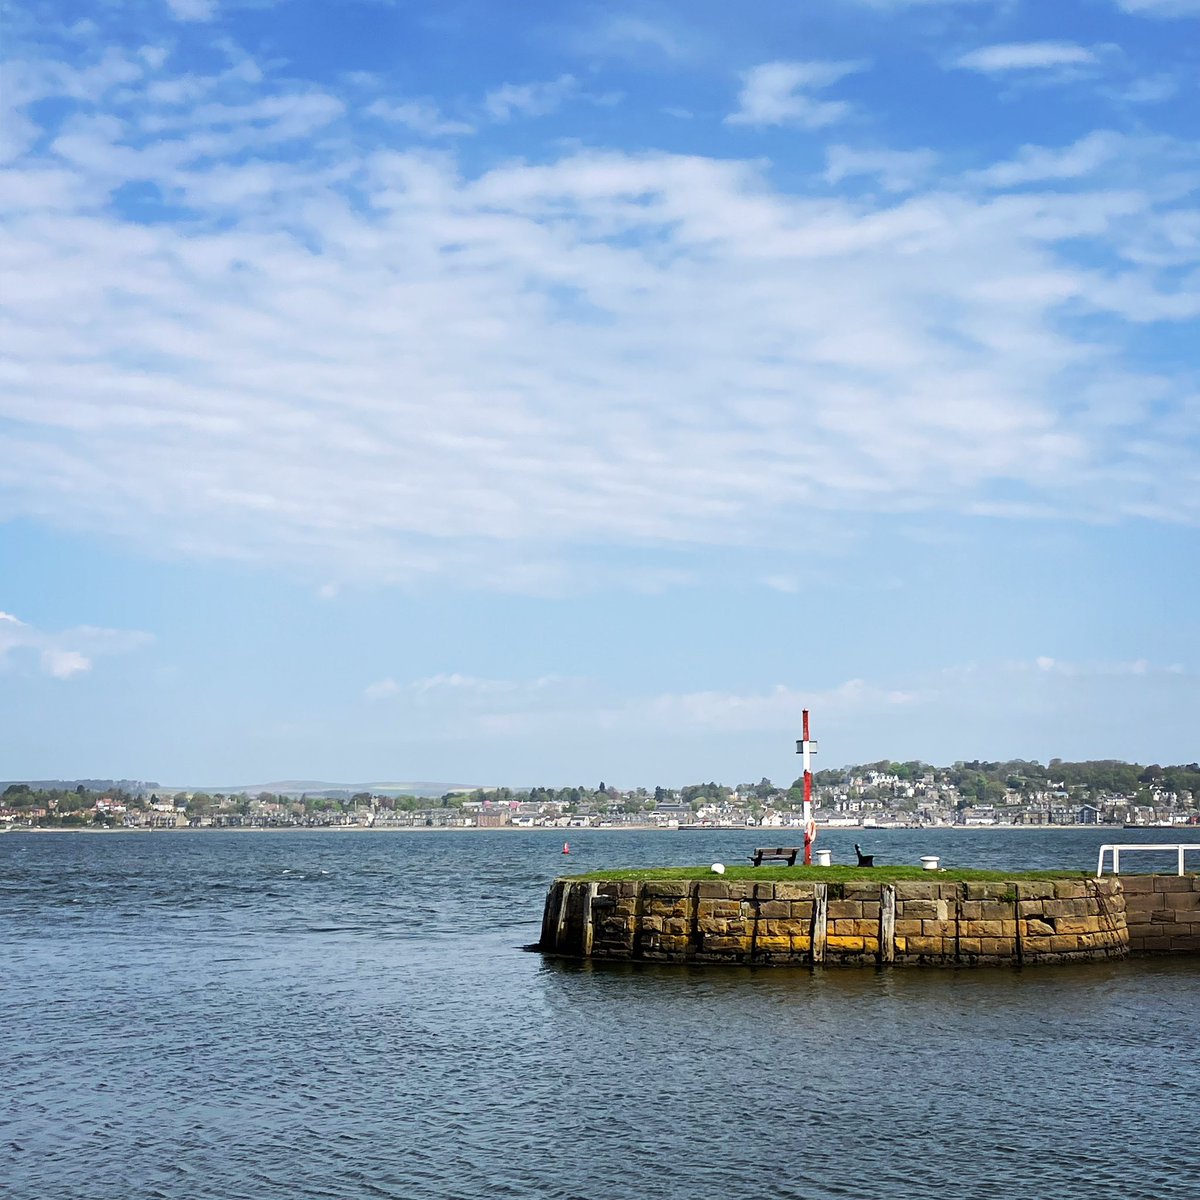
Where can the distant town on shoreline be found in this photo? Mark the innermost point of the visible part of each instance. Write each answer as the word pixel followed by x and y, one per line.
pixel 882 794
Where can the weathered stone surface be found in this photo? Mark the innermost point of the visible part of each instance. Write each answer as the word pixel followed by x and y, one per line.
pixel 1070 889
pixel 716 920
pixel 780 928
pixel 834 944
pixel 997 947
pixel 673 943
pixel 670 888
pixel 923 945
pixel 992 929
pixel 1156 943
pixel 1173 883
pixel 853 927
pixel 794 891
pixel 909 889
pixel 1135 885
pixel 1035 889
pixel 861 890
pixel 1081 925
pixel 987 891
pixel 772 945
pixel 727 945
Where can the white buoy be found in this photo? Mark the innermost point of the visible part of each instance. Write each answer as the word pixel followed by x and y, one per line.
pixel 718 868
pixel 930 862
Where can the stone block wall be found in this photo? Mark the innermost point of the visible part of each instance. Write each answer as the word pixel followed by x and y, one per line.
pixel 1163 913
pixel 908 922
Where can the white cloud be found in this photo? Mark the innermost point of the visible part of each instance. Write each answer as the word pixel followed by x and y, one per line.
pixel 1026 56
pixel 367 363
pixel 62 664
pixel 421 117
pixel 897 170
pixel 458 688
pixel 193 10
pixel 777 93
pixel 381 690
pixel 1039 706
pixel 64 654
pixel 1161 8
pixel 632 36
pixel 529 99
pixel 1038 164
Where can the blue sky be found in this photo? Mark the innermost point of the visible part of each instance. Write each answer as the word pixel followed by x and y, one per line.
pixel 549 393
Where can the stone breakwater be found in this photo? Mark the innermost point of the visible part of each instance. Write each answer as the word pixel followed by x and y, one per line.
pixel 895 923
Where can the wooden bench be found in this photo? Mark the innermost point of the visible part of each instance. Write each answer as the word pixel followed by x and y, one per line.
pixel 787 853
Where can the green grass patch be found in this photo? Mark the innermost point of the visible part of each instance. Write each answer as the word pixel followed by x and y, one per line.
pixel 784 874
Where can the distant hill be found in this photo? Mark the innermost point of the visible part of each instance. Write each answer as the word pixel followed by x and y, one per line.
pixel 133 786
pixel 333 791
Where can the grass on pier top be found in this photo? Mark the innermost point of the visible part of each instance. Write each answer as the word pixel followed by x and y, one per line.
pixel 799 874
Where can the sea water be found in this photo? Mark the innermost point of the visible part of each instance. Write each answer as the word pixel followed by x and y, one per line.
pixel 351 1015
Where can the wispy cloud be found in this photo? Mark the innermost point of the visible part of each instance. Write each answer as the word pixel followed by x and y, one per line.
pixel 896 170
pixel 1037 705
pixel 255 329
pixel 1026 56
pixel 780 93
pixel 632 35
pixel 421 116
pixel 529 99
pixel 1039 164
pixel 192 10
pixel 1161 8
pixel 64 654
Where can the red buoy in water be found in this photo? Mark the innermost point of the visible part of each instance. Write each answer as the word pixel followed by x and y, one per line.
pixel 566 848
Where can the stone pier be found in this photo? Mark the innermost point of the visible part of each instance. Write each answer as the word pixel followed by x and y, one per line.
pixel 901 923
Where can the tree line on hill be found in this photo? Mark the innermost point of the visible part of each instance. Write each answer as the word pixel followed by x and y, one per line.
pixel 976 781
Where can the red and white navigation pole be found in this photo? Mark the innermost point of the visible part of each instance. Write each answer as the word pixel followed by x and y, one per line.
pixel 807 748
